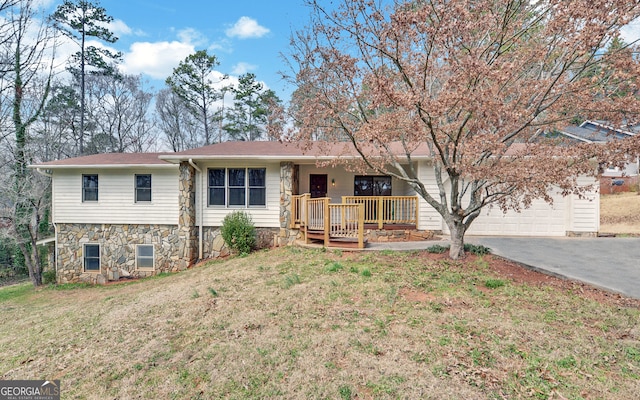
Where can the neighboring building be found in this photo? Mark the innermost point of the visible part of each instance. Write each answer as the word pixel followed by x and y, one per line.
pixel 613 179
pixel 140 214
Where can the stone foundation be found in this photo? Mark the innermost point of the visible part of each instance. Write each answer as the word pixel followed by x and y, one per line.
pixel 172 250
pixel 117 250
pixel 582 234
pixel 397 235
pixel 213 246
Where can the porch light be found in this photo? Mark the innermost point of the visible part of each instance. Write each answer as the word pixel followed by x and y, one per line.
pixel 333 182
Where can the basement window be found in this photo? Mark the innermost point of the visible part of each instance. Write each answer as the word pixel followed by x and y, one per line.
pixel 91 257
pixel 144 256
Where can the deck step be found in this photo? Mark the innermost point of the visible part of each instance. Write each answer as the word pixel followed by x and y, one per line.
pixel 334 241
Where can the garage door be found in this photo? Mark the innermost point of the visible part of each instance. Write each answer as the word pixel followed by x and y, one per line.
pixel 540 219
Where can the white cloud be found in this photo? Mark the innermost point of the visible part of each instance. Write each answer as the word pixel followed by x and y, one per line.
pixel 119 28
pixel 192 36
pixel 155 60
pixel 630 33
pixel 246 28
pixel 242 68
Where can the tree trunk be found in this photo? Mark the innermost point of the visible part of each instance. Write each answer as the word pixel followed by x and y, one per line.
pixel 457 229
pixel 31 258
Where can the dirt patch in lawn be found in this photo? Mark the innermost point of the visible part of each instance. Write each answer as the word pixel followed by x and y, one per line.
pixel 520 274
pixel 620 213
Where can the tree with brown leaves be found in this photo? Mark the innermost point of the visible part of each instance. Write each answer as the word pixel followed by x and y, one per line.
pixel 478 82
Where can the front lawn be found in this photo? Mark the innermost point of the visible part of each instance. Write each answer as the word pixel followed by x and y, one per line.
pixel 294 323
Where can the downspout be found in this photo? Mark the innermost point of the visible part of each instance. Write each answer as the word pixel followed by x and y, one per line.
pixel 55 253
pixel 200 202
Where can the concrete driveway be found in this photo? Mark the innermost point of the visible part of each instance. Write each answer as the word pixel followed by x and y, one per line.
pixel 608 263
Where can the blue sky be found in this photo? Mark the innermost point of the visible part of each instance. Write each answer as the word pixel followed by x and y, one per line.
pixel 245 35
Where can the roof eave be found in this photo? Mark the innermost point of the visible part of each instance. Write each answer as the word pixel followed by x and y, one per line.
pixel 100 166
pixel 177 159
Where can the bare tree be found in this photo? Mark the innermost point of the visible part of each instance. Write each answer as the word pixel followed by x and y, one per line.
pixel 118 109
pixel 175 121
pixel 29 49
pixel 473 82
pixel 58 128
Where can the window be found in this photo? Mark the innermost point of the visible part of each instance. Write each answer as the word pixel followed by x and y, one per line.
pixel 257 186
pixel 143 188
pixel 89 187
pixel 216 187
pixel 92 257
pixel 237 187
pixel 372 185
pixel 144 256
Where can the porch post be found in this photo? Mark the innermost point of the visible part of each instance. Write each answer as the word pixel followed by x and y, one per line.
pixel 187 215
pixel 288 181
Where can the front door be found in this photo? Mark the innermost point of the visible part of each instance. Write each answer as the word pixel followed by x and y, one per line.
pixel 318 185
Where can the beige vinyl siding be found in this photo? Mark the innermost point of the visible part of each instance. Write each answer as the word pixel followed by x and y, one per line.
pixel 585 212
pixel 263 217
pixel 541 219
pixel 566 214
pixel 429 218
pixel 116 202
pixel 344 182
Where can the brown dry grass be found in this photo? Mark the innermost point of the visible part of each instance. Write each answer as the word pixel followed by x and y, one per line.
pixel 303 324
pixel 620 213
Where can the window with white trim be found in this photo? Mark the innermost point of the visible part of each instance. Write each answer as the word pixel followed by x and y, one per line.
pixel 143 188
pixel 237 187
pixel 89 187
pixel 144 256
pixel 91 257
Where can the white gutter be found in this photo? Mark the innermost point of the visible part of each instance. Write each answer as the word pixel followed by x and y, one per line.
pixel 198 190
pixel 101 166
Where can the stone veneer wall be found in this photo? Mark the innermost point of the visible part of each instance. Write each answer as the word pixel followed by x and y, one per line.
pixel 117 250
pixel 188 231
pixel 289 173
pixel 213 244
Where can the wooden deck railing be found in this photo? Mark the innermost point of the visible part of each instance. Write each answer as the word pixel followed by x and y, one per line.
pixel 383 210
pixel 345 222
pixel 298 209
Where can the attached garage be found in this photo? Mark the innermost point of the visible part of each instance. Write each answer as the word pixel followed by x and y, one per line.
pixel 540 219
pixel 567 216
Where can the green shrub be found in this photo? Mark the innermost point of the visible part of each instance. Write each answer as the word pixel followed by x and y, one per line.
pixel 476 249
pixel 437 249
pixel 49 277
pixel 238 232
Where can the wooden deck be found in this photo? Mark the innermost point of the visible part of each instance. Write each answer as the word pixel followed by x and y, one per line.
pixel 343 225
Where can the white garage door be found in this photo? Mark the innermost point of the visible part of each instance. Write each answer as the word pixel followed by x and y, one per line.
pixel 540 219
